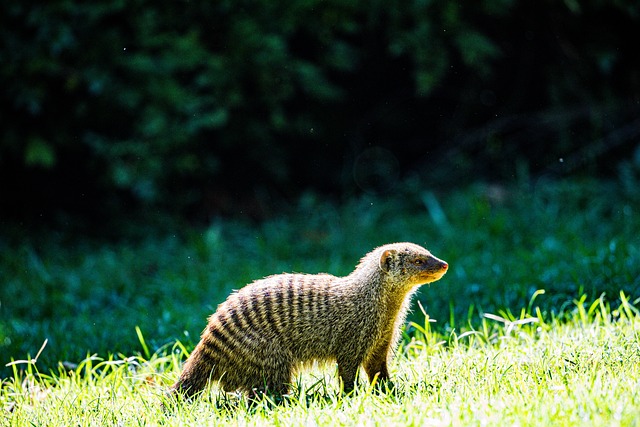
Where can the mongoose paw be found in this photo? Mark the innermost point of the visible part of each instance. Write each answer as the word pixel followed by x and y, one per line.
pixel 385 386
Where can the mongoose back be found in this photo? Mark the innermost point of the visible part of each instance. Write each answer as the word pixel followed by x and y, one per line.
pixel 263 333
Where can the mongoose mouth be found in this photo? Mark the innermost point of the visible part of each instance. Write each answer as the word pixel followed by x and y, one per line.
pixel 432 276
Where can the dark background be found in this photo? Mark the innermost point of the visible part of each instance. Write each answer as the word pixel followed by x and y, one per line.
pixel 111 109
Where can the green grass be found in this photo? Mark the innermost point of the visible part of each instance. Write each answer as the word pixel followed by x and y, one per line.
pixel 112 313
pixel 584 370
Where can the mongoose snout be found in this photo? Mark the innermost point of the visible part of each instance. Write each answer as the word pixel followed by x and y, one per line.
pixel 436 270
pixel 263 333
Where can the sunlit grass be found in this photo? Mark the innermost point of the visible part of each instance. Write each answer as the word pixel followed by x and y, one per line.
pixel 583 370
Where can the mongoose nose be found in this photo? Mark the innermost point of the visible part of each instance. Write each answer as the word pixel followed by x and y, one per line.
pixel 445 265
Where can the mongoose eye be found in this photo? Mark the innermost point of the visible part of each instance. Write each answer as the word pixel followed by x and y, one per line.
pixel 418 262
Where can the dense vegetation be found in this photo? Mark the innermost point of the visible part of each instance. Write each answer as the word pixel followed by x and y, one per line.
pixel 503 244
pixel 140 141
pixel 229 106
pixel 536 323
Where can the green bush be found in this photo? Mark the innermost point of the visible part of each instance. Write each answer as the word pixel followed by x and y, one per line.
pixel 182 106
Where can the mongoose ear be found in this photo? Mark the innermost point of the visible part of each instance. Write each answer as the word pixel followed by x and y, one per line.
pixel 386 259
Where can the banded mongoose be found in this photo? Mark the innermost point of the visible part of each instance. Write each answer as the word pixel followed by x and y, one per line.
pixel 266 331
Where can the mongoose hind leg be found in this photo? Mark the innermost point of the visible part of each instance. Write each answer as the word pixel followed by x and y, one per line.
pixel 347 371
pixel 270 374
pixel 274 383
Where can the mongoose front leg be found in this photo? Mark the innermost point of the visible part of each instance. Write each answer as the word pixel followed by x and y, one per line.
pixel 376 364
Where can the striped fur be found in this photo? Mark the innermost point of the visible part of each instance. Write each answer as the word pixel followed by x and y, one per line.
pixel 263 332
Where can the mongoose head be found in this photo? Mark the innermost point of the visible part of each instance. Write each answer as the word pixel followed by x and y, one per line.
pixel 410 265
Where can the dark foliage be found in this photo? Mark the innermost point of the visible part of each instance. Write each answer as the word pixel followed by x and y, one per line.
pixel 199 108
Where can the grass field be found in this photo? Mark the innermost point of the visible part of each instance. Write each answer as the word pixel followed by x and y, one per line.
pixel 500 351
pixel 529 371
